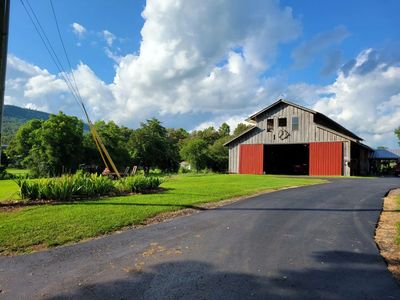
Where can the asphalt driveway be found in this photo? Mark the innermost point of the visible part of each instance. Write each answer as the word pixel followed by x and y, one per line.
pixel 312 242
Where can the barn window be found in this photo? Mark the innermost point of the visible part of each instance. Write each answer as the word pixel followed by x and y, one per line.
pixel 295 123
pixel 270 125
pixel 282 122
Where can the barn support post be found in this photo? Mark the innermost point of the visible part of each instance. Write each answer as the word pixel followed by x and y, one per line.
pixel 346 158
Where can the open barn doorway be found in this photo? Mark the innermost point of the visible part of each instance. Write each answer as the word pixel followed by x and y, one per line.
pixel 291 159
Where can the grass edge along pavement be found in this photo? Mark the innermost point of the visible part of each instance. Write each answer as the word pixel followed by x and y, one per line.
pixel 38 227
pixel 387 234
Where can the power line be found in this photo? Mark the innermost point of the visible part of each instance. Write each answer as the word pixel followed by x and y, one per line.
pixel 65 52
pixel 46 42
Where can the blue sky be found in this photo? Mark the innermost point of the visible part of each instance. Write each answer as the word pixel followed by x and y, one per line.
pixel 194 66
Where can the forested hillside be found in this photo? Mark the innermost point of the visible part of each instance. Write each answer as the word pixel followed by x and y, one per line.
pixel 14 117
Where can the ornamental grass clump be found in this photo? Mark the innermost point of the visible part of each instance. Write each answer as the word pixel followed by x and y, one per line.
pixel 140 183
pixel 84 186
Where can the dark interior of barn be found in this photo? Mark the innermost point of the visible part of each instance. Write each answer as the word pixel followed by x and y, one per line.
pixel 292 159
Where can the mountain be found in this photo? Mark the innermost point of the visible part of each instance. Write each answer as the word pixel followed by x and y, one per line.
pixel 15 116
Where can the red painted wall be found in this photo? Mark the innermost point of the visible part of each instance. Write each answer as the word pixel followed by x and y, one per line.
pixel 251 159
pixel 326 158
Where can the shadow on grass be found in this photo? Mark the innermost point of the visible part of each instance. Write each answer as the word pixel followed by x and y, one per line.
pixel 344 275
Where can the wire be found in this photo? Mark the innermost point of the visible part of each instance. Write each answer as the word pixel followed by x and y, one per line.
pixel 65 52
pixel 46 42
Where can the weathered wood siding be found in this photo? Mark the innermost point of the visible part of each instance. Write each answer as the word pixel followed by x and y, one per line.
pixel 307 132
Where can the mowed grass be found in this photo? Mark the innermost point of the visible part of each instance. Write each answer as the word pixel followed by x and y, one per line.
pixel 8 190
pixel 37 227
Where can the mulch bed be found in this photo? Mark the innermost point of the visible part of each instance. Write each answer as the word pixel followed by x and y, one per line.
pixel 386 233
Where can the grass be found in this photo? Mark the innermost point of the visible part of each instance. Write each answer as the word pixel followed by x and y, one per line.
pixel 35 227
pixel 8 190
pixel 17 171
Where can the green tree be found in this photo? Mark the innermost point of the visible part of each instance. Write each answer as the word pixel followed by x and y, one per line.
pixel 240 128
pixel 151 147
pixel 115 139
pixel 218 155
pixel 224 130
pixel 55 145
pixel 397 132
pixel 22 143
pixel 195 151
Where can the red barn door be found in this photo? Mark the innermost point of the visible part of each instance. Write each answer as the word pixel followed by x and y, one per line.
pixel 251 159
pixel 326 158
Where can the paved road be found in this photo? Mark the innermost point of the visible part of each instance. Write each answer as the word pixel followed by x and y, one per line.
pixel 308 243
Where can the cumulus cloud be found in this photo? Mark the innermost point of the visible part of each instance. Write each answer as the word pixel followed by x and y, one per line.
pixel 366 98
pixel 208 59
pixel 78 29
pixel 307 51
pixel 203 67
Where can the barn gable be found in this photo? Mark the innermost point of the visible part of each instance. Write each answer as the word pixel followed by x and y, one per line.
pixel 286 123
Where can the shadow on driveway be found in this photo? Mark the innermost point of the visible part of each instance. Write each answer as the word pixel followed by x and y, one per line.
pixel 342 275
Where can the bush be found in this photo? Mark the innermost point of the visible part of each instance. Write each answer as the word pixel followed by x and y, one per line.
pixel 81 185
pixel 140 183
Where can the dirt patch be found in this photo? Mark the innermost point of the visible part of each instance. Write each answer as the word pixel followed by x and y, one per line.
pixel 386 233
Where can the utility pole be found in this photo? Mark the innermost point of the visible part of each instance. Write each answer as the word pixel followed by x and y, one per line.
pixel 4 19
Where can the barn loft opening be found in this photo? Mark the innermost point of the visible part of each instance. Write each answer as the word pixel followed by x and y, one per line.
pixel 292 159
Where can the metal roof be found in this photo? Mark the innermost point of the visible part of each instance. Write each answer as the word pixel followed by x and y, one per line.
pixel 347 132
pixel 238 136
pixel 384 154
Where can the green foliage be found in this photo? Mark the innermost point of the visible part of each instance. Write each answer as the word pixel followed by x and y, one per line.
pixel 18 150
pixel 48 225
pixel 115 140
pixel 397 132
pixel 240 128
pixel 14 117
pixel 139 183
pixel 224 130
pixel 49 147
pixel 151 147
pixel 195 152
pixel 83 186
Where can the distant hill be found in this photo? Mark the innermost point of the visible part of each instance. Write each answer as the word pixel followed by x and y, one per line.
pixel 15 116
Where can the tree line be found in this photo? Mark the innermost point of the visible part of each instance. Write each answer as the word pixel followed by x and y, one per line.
pixel 60 144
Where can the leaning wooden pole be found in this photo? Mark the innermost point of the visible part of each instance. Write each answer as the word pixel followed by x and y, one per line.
pixel 5 17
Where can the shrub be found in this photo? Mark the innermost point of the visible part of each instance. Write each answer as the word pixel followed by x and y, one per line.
pixel 140 183
pixel 81 185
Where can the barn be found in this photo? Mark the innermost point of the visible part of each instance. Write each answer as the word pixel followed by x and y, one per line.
pixel 287 138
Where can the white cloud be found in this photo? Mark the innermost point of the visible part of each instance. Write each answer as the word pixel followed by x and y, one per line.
pixel 366 99
pixel 78 29
pixel 207 66
pixel 109 37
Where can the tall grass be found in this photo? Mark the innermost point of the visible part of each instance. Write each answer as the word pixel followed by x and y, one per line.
pixel 83 186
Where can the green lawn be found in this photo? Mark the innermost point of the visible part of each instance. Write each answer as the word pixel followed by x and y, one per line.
pixel 8 190
pixel 35 227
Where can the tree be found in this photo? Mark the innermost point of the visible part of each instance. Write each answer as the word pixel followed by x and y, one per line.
pixel 151 147
pixel 224 130
pixel 49 147
pixel 22 143
pixel 240 128
pixel 115 140
pixel 218 155
pixel 397 132
pixel 195 152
